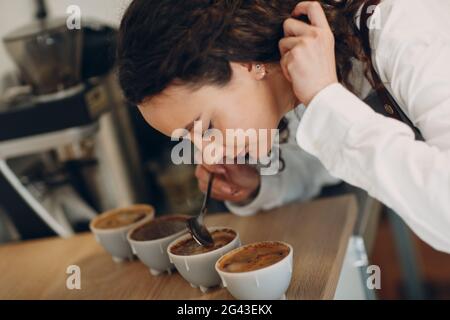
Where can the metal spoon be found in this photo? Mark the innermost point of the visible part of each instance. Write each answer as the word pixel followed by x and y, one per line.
pixel 196 226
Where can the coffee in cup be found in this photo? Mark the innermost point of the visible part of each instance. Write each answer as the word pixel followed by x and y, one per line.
pixel 159 228
pixel 111 229
pixel 150 241
pixel 258 271
pixel 189 247
pixel 254 257
pixel 120 219
pixel 195 263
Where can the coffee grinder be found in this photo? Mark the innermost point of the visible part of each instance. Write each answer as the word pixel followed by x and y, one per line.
pixel 53 111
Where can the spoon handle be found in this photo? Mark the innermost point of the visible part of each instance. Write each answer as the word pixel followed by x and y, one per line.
pixel 207 195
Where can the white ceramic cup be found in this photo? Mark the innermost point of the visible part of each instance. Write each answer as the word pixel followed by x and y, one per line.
pixel 269 283
pixel 199 270
pixel 115 240
pixel 153 253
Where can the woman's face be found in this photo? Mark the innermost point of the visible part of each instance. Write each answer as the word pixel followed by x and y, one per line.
pixel 253 99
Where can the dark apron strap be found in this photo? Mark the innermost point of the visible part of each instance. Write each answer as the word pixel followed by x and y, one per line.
pixel 390 107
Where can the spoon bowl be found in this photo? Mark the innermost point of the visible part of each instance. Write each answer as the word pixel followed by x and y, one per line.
pixel 199 232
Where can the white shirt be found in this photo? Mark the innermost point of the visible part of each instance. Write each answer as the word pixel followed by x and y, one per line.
pixel 411 53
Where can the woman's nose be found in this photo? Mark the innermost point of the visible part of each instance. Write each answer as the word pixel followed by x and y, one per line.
pixel 209 152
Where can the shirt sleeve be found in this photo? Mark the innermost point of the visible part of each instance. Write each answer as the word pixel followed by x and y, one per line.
pixel 381 156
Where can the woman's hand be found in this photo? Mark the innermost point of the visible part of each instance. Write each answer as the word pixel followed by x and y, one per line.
pixel 235 183
pixel 307 51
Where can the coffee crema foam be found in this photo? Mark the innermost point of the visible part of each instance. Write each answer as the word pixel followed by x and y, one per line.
pixel 190 247
pixel 254 257
pixel 120 219
pixel 160 228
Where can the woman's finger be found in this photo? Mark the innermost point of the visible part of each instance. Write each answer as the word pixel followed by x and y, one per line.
pixel 201 173
pixel 220 195
pixel 214 168
pixel 216 194
pixel 219 185
pixel 314 11
pixel 287 44
pixel 238 197
pixel 294 28
pixel 284 65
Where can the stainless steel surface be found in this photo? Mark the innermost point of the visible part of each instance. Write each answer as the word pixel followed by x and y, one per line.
pixel 47 54
pixel 39 209
pixel 196 225
pixel 120 165
pixel 45 142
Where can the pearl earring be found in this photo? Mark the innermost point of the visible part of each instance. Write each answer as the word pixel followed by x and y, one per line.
pixel 261 69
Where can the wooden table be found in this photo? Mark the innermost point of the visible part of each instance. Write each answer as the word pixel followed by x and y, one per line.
pixel 318 231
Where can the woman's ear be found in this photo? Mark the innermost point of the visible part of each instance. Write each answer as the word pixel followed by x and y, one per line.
pixel 258 70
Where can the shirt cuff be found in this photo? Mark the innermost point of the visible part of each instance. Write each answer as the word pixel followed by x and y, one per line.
pixel 327 120
pixel 267 198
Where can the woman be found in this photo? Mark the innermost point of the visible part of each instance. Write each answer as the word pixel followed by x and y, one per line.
pixel 245 64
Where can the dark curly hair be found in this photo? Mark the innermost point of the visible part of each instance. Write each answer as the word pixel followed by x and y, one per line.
pixel 192 42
